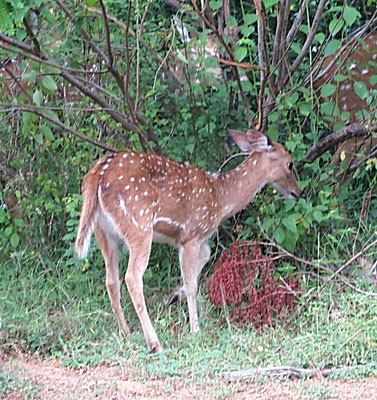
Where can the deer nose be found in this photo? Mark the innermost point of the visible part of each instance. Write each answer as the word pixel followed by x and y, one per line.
pixel 296 195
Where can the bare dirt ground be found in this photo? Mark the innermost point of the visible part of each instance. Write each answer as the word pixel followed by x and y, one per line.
pixel 52 381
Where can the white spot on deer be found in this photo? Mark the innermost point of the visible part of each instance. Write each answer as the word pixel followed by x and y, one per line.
pixel 348 86
pixel 352 66
pixel 107 184
pixel 141 213
pixel 120 165
pixel 345 107
pixel 127 187
pixel 132 154
pixel 105 166
pixel 136 188
pixel 142 179
pixel 255 162
pixel 364 71
pixel 102 172
pixel 146 211
pixel 109 159
pixel 125 155
pixel 137 197
pixel 132 179
pixel 195 177
pixel 120 178
pixel 122 205
pixel 245 173
pixel 145 193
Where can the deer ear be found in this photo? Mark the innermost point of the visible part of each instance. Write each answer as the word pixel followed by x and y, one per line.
pixel 251 140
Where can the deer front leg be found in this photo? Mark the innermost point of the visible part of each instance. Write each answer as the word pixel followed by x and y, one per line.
pixel 204 254
pixel 138 262
pixel 110 248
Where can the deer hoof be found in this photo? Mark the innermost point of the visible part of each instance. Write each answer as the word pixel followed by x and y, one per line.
pixel 177 295
pixel 155 348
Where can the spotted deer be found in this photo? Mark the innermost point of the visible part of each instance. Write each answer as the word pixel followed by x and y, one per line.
pixel 356 65
pixel 143 198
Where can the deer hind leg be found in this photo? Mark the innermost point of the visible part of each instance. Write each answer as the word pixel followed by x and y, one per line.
pixel 138 262
pixel 204 254
pixel 109 245
pixel 191 265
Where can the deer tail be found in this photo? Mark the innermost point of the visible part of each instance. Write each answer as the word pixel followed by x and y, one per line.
pixel 89 213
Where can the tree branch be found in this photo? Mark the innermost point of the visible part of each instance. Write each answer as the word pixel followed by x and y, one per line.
pixel 332 140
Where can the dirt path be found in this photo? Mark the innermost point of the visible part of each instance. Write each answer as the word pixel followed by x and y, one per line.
pixel 34 379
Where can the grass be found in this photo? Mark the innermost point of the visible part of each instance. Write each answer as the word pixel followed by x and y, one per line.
pixel 65 313
pixel 15 382
pixel 62 311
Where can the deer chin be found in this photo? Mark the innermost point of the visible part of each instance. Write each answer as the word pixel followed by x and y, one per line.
pixel 290 195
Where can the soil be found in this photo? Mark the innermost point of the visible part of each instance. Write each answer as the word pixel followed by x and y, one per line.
pixel 52 381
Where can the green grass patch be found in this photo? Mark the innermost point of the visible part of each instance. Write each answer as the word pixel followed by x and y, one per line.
pixel 65 313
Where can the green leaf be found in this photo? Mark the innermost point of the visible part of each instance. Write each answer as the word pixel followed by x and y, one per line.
pixel 317 215
pixel 328 89
pixel 231 22
pixel 340 78
pixel 14 240
pixel 306 109
pixel 8 231
pixel 38 97
pixel 3 216
pixel 328 108
pixel 290 241
pixel 181 57
pixel 319 37
pixel 19 223
pixel 360 89
pixel 47 132
pixel 48 83
pixel 270 3
pixel 335 26
pixel 215 5
pixel 289 224
pixel 279 234
pixel 38 138
pixel 345 116
pixel 292 99
pixel 251 18
pixel 373 80
pixel 267 223
pixel 350 15
pixel 331 47
pixel 240 53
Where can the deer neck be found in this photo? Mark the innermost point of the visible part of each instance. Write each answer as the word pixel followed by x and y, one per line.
pixel 239 186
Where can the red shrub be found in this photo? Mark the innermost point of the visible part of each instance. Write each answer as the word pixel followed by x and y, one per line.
pixel 246 284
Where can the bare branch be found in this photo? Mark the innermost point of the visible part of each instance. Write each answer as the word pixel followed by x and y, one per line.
pixel 150 49
pixel 309 39
pixel 107 32
pixel 297 22
pixel 332 140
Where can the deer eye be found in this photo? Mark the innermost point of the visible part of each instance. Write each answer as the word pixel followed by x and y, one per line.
pixel 290 166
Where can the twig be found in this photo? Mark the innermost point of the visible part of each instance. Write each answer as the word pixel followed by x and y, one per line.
pixel 286 371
